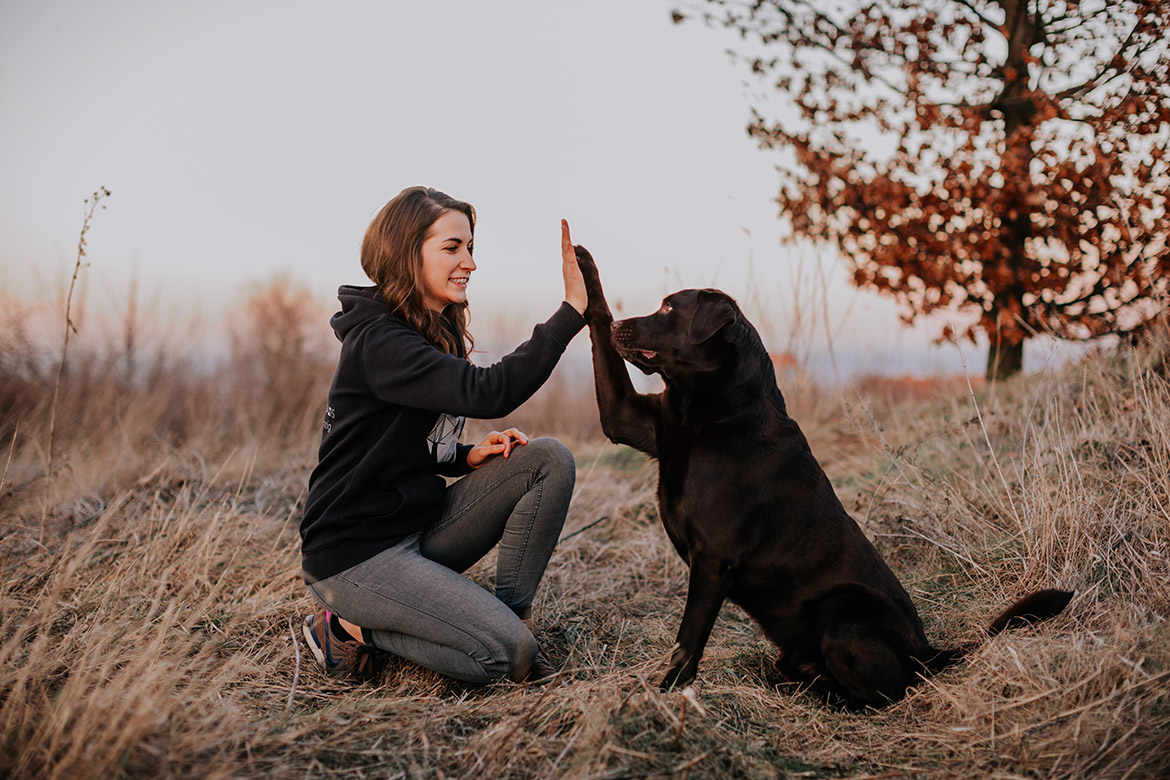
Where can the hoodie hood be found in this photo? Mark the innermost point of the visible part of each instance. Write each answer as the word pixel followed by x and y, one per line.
pixel 359 305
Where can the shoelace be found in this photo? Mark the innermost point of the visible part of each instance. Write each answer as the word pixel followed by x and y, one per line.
pixel 366 660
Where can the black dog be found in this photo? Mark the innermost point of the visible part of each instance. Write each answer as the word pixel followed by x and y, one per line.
pixel 748 507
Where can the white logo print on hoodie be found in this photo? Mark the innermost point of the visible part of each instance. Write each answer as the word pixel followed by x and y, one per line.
pixel 444 436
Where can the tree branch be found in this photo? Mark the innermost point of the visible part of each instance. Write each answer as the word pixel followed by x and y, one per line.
pixel 979 14
pixel 1106 66
pixel 1078 19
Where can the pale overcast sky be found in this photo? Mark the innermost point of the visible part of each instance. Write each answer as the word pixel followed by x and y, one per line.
pixel 250 138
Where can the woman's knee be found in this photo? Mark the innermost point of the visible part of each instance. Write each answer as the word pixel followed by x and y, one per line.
pixel 555 459
pixel 512 654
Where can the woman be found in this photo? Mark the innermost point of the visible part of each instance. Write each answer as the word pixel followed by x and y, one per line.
pixel 384 539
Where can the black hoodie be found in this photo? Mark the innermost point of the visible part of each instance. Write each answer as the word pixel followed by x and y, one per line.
pixel 396 409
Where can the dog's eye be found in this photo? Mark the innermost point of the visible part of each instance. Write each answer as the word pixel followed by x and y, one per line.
pixel 666 308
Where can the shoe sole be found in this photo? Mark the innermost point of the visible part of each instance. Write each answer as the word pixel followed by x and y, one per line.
pixel 307 630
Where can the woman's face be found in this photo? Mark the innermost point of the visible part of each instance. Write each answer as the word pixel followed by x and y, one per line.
pixel 446 261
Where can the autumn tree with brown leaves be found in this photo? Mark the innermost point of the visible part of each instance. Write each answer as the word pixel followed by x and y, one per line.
pixel 1004 158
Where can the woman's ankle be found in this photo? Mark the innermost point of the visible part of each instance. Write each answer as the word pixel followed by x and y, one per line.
pixel 344 630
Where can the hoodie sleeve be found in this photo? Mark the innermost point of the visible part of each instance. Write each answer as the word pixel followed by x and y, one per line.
pixel 458 466
pixel 402 367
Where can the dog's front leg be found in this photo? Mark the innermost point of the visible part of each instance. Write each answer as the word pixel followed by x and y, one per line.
pixel 627 417
pixel 709 584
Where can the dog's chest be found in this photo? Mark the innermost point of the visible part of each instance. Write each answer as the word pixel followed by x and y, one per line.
pixel 702 494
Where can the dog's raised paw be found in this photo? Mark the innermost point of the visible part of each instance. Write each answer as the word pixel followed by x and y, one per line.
pixel 586 262
pixel 598 309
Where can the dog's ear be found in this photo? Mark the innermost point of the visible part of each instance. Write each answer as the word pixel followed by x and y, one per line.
pixel 712 314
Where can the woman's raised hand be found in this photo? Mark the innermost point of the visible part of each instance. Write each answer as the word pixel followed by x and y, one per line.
pixel 575 294
pixel 495 443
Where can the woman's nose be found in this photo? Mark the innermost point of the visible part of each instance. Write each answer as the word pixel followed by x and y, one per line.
pixel 468 262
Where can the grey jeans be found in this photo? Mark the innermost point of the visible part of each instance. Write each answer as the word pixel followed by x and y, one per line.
pixel 419 606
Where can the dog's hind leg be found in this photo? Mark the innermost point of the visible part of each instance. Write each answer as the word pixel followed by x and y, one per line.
pixel 708 587
pixel 857 653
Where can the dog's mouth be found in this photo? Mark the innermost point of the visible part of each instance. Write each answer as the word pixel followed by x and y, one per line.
pixel 642 359
pixel 624 341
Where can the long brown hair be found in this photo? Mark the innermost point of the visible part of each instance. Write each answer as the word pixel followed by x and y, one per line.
pixel 392 258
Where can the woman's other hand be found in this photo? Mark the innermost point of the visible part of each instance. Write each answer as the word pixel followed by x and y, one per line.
pixel 575 294
pixel 495 443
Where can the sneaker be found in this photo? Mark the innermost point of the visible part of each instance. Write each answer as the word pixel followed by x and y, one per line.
pixel 340 658
pixel 541 670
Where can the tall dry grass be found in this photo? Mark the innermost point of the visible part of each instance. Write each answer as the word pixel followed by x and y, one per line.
pixel 153 631
pixel 135 402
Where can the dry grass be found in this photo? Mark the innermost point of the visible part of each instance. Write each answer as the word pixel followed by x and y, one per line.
pixel 150 635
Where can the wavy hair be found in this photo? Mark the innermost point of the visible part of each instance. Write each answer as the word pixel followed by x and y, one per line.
pixel 392 258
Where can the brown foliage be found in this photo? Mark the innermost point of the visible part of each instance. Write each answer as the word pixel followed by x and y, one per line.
pixel 1027 182
pixel 892 390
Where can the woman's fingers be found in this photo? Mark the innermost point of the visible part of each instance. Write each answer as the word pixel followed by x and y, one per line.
pixel 575 294
pixel 496 443
pixel 511 437
pixel 517 434
pixel 567 253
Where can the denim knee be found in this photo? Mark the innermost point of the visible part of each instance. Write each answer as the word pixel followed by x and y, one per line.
pixel 556 461
pixel 512 653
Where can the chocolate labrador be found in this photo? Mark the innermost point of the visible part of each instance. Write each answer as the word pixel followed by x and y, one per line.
pixel 747 506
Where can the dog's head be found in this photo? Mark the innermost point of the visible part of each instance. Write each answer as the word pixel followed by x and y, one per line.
pixel 688 336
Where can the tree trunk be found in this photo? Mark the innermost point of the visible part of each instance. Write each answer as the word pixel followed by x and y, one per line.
pixel 1004 359
pixel 1023 28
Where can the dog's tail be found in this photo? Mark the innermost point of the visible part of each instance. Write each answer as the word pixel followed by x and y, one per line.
pixel 1033 608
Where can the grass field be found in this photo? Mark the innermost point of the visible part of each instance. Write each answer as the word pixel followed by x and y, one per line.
pixel 150 594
